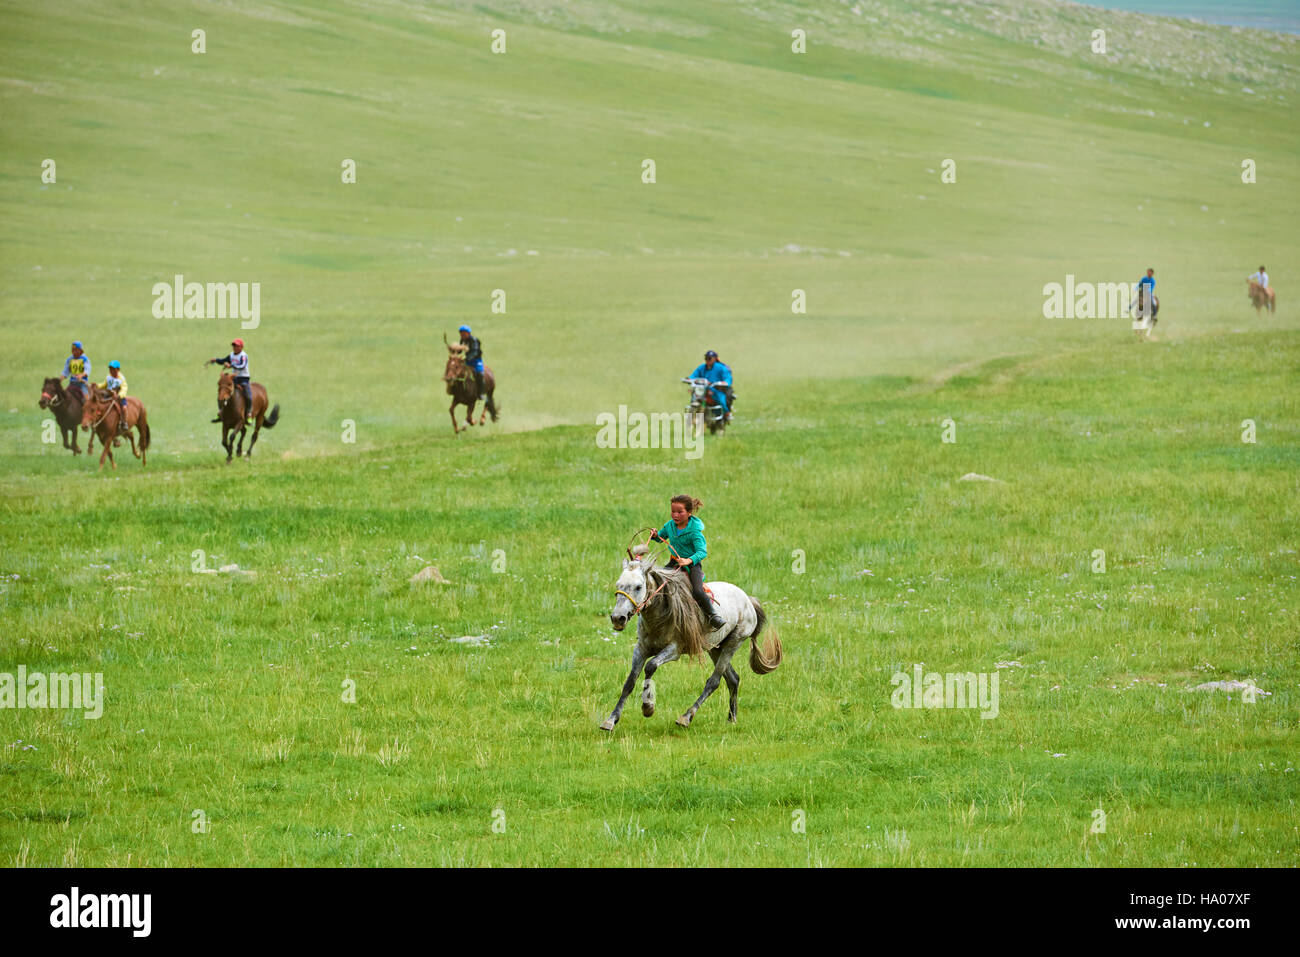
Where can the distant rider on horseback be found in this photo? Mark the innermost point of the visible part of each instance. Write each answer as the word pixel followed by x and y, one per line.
pixel 76 369
pixel 1261 278
pixel 237 362
pixel 474 362
pixel 717 373
pixel 1148 304
pixel 115 383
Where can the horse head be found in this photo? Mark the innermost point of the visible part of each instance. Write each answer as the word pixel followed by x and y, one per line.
pixel 225 389
pixel 51 393
pixel 95 403
pixel 456 368
pixel 632 588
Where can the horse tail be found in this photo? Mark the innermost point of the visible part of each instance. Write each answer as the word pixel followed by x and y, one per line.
pixel 274 417
pixel 765 660
pixel 143 426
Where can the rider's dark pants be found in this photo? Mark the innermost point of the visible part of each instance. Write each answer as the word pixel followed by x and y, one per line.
pixel 242 382
pixel 696 571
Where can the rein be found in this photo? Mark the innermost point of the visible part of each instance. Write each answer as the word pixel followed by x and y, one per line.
pixel 107 408
pixel 636 609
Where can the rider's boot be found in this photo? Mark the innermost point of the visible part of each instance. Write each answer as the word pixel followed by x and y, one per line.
pixel 702 599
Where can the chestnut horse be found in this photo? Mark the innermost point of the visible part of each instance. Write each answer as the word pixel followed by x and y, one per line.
pixel 66 404
pixel 230 400
pixel 1260 297
pixel 102 413
pixel 464 390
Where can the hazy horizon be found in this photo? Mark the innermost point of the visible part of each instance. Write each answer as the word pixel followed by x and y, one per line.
pixel 1281 15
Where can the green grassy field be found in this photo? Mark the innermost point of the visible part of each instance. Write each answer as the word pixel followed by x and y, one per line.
pixel 833 498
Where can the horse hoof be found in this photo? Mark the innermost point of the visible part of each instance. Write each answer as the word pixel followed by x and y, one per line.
pixel 608 725
pixel 648 700
pixel 647 709
pixel 684 721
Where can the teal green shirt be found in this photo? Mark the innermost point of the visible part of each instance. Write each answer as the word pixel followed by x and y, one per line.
pixel 687 542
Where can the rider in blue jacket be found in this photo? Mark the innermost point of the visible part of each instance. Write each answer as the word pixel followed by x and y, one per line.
pixel 474 360
pixel 718 373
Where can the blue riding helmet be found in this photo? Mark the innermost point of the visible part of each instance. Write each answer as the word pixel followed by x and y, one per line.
pixel 466 329
pixel 77 345
pixel 115 364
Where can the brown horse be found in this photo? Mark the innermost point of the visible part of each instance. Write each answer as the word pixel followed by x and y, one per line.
pixel 101 414
pixel 464 390
pixel 230 400
pixel 1261 297
pixel 66 404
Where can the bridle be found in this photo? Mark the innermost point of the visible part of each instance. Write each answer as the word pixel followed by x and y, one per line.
pixel 636 609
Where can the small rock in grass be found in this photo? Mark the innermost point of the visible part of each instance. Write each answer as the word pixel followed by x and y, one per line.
pixel 1231 686
pixel 475 640
pixel 976 477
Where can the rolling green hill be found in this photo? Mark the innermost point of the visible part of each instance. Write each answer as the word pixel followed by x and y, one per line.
pixel 833 497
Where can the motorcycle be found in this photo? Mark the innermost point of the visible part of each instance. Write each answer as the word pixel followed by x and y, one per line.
pixel 703 407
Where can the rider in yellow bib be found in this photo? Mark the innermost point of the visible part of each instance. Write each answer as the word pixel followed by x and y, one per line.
pixel 76 369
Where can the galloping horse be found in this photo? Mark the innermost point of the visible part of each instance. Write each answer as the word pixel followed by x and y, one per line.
pixel 230 401
pixel 464 390
pixel 1260 297
pixel 102 413
pixel 67 407
pixel 671 625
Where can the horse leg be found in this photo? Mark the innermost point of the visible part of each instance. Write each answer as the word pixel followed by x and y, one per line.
pixel 722 663
pixel 469 416
pixel 638 659
pixel 257 427
pixel 454 427
pixel 733 686
pixel 243 428
pixel 648 692
pixel 227 440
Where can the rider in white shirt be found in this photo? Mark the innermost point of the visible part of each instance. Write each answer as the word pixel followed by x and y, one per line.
pixel 237 362
pixel 1261 277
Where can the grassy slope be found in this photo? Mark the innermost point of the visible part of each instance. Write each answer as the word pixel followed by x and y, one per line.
pixel 225 695
pixel 225 167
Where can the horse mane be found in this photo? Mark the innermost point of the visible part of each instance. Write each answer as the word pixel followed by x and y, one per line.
pixel 675 611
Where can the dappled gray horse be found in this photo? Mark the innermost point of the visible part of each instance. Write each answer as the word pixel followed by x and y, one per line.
pixel 671 626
